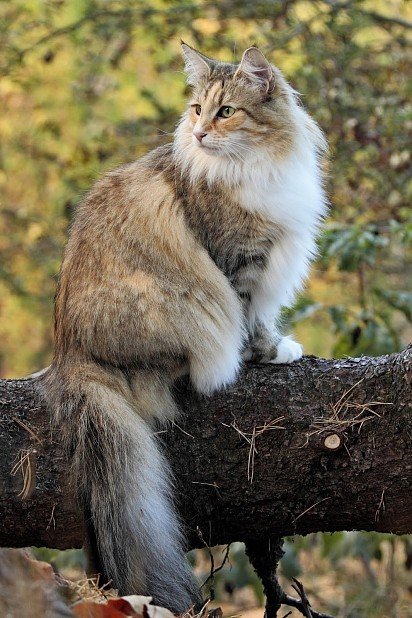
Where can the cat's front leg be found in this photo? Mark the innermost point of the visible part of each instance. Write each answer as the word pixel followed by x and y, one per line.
pixel 280 280
pixel 267 345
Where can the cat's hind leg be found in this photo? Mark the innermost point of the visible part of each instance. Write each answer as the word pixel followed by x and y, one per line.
pixel 283 276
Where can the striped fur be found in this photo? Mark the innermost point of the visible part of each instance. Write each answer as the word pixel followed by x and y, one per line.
pixel 177 263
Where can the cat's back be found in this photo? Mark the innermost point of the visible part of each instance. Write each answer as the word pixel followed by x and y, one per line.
pixel 130 221
pixel 125 191
pixel 128 203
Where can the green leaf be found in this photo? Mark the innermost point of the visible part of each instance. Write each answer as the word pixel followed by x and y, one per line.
pixel 400 300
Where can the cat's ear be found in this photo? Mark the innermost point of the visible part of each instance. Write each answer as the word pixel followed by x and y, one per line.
pixel 257 69
pixel 197 66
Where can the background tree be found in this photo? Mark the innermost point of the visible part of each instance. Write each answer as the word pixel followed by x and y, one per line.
pixel 85 86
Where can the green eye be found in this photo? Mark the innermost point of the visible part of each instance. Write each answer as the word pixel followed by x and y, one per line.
pixel 226 112
pixel 198 109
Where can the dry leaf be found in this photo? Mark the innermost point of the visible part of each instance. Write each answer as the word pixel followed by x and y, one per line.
pixel 141 605
pixel 87 609
pixel 124 606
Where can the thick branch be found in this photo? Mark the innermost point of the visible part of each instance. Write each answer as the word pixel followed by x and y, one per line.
pixel 315 446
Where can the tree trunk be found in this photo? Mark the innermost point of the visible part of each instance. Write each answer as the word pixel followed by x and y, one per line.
pixel 319 445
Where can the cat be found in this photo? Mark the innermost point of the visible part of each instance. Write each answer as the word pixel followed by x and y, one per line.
pixel 178 263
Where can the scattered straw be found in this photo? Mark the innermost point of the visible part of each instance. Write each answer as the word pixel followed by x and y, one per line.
pixel 27 428
pixel 52 520
pixel 205 612
pixel 381 506
pixel 346 414
pixel 27 466
pixel 250 438
pixel 174 424
pixel 214 485
pixel 88 589
pixel 310 508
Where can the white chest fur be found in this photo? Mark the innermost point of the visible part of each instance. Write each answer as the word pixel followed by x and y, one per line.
pixel 289 193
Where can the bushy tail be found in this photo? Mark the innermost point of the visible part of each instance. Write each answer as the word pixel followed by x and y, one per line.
pixel 124 486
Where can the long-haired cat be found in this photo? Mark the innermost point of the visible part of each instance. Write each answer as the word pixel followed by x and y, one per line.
pixel 178 263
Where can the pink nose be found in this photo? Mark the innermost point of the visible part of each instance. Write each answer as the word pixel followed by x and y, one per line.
pixel 199 135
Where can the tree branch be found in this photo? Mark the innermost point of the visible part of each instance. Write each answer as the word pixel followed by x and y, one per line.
pixel 319 445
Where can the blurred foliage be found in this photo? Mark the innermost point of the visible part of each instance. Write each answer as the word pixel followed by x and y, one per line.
pixel 87 85
pixel 353 574
pixel 346 574
pixel 67 559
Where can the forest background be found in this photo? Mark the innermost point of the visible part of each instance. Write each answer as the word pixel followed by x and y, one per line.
pixel 86 85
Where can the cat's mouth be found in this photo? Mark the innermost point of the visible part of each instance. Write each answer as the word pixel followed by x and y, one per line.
pixel 207 147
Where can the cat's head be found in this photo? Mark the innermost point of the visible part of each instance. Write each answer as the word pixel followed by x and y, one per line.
pixel 237 110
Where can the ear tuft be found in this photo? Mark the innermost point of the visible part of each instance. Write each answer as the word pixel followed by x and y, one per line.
pixel 257 69
pixel 197 66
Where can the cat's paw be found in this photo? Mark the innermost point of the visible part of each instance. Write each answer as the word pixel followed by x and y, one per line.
pixel 218 365
pixel 218 373
pixel 287 351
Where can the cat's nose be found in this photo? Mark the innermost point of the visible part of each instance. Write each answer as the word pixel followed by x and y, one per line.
pixel 199 135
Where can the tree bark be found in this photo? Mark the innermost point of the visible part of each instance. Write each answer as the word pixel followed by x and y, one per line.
pixel 319 445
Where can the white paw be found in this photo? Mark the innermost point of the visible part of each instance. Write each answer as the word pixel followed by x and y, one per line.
pixel 288 351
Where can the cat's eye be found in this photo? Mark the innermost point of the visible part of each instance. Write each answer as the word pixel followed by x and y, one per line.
pixel 198 110
pixel 226 111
